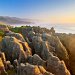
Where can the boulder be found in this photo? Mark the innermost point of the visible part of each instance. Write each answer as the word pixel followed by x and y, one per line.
pixel 36 41
pixel 15 63
pixel 56 66
pixel 13 49
pixel 29 69
pixel 45 53
pixel 16 35
pixel 55 42
pixel 36 60
pixel 30 35
pixel 26 48
pixel 43 71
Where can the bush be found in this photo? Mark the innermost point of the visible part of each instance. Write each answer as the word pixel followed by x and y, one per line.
pixel 1 33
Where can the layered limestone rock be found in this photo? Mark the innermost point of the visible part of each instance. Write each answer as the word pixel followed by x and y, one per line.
pixel 55 42
pixel 36 60
pixel 45 57
pixel 69 43
pixel 13 49
pixel 45 53
pixel 26 48
pixel 36 41
pixel 33 70
pixel 56 66
pixel 16 35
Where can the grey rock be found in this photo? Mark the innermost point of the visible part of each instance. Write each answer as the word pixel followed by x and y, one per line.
pixel 13 49
pixel 56 66
pixel 16 35
pixel 55 42
pixel 37 44
pixel 36 60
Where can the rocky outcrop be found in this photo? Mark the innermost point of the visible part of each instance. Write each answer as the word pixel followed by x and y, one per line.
pixel 36 41
pixel 13 49
pixel 26 48
pixel 56 66
pixel 16 35
pixel 55 42
pixel 40 54
pixel 69 41
pixel 33 70
pixel 45 53
pixel 36 60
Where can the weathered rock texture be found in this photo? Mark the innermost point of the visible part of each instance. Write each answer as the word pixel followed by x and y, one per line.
pixel 69 41
pixel 13 49
pixel 40 53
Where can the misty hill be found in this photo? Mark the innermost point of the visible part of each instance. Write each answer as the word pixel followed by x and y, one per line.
pixel 15 20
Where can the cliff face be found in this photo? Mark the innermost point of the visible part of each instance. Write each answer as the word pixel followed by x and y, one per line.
pixel 69 41
pixel 37 53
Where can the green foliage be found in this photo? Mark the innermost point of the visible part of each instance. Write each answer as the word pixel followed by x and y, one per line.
pixel 18 29
pixel 1 33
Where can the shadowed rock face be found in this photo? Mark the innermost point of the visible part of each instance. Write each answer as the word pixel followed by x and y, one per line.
pixel 69 43
pixel 37 44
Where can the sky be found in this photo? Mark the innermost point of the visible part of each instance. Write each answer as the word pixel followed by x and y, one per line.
pixel 52 11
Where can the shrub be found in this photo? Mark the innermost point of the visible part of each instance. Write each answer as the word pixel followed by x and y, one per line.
pixel 1 33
